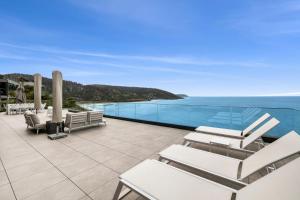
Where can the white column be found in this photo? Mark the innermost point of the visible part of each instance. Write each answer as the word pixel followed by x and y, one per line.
pixel 57 96
pixel 37 91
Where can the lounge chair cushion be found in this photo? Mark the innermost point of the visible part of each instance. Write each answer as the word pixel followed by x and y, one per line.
pixel 282 184
pixel 284 147
pixel 203 160
pixel 219 131
pixel 94 116
pixel 157 180
pixel 208 139
pixel 77 118
pixel 35 119
pixel 28 112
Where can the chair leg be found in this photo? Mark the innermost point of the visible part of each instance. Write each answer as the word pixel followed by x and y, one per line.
pixel 118 191
pixel 186 143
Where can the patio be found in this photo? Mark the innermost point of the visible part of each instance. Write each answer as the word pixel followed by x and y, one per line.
pixel 85 165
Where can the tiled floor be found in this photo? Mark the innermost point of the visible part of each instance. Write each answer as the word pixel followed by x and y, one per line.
pixel 83 166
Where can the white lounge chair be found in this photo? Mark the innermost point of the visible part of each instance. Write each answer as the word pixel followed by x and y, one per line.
pixel 155 180
pixel 232 170
pixel 231 132
pixel 230 143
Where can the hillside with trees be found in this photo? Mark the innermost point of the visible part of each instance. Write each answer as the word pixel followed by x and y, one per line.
pixel 97 93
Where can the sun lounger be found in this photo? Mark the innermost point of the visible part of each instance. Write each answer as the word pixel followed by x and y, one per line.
pixel 155 180
pixel 231 169
pixel 230 143
pixel 230 132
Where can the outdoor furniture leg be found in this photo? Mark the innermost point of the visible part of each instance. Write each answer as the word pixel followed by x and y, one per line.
pixel 118 191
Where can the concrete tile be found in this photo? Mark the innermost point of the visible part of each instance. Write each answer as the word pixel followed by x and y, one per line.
pixel 6 192
pixel 3 178
pixel 123 147
pixel 36 183
pixel 106 192
pixel 132 196
pixel 107 141
pixel 90 148
pixel 94 178
pixel 121 164
pixel 86 198
pixel 11 162
pixel 16 151
pixel 65 190
pixel 103 156
pixel 139 152
pixel 64 157
pixel 77 165
pixel 29 169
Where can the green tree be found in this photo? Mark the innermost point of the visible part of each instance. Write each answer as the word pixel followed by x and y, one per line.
pixel 69 103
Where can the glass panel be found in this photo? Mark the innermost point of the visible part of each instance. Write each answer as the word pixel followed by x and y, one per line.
pixel 147 111
pixel 110 109
pixel 196 115
pixel 297 121
pixel 126 110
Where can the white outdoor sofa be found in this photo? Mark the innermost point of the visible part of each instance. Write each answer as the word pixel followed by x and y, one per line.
pixel 19 108
pixel 34 122
pixel 84 120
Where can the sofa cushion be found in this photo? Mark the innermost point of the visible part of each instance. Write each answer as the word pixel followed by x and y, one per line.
pixel 77 118
pixel 28 112
pixel 94 116
pixel 35 119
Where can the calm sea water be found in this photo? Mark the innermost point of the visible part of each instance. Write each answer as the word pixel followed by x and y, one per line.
pixel 269 102
pixel 225 112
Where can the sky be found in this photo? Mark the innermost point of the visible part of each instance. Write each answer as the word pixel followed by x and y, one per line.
pixel 193 47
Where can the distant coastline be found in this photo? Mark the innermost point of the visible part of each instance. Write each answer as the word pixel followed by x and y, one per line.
pixel 96 92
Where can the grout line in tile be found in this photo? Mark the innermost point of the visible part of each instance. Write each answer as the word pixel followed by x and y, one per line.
pixel 8 178
pixel 48 161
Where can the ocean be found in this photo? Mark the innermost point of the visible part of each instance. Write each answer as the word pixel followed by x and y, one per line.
pixel 224 112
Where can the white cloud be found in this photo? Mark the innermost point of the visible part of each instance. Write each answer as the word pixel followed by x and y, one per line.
pixel 176 60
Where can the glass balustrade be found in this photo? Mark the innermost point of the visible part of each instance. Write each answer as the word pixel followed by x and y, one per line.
pixel 197 115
